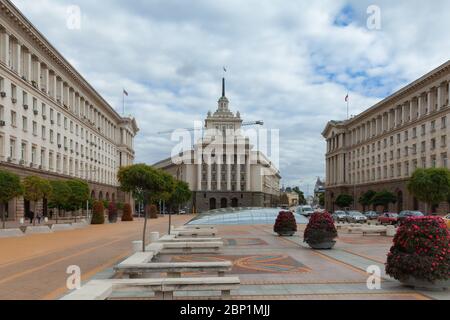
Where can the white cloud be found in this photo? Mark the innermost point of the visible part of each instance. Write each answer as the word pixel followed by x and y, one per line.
pixel 288 64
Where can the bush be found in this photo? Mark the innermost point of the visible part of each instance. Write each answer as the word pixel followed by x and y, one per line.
pixel 153 212
pixel 105 203
pixel 127 216
pixel 112 212
pixel 285 222
pixel 98 216
pixel 120 205
pixel 420 250
pixel 320 228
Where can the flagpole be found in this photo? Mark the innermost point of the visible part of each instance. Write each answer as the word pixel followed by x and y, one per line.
pixel 348 98
pixel 123 103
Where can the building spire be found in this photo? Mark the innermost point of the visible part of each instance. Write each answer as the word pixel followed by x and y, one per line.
pixel 223 87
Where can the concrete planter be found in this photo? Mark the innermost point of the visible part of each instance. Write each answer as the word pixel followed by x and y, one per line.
pixel 326 245
pixel 286 233
pixel 439 285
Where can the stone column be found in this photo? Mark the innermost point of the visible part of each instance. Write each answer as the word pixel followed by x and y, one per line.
pixel 208 170
pixel 439 97
pixel 448 84
pixel 247 171
pixel 199 172
pixel 4 53
pixel 410 110
pixel 219 175
pixel 44 81
pixel 238 173
pixel 228 173
pixel 429 106
pixel 419 106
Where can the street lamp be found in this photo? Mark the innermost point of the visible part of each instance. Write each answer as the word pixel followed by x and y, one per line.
pixel 87 181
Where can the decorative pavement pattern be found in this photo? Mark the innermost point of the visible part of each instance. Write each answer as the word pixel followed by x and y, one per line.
pixel 267 263
pixel 245 242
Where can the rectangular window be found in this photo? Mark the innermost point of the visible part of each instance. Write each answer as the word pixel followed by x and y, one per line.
pixel 43 133
pixel 13 93
pixel 24 123
pixel 25 98
pixel 443 141
pixel 12 149
pixel 13 119
pixel 34 128
pixel 51 136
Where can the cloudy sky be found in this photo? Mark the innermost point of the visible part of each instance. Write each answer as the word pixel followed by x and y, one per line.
pixel 290 63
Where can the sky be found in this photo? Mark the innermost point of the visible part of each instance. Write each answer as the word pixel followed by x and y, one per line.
pixel 289 63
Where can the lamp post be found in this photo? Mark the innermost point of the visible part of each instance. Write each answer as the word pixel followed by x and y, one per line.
pixel 87 181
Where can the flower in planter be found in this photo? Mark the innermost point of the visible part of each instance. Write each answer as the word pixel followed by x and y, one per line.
pixel 112 212
pixel 420 250
pixel 285 223
pixel 320 229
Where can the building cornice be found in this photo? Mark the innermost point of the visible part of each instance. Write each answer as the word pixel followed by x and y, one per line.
pixel 11 11
pixel 403 93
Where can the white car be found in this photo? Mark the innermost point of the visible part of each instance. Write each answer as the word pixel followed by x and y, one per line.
pixel 305 210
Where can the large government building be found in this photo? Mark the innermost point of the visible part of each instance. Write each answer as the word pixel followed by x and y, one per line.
pixel 381 147
pixel 52 122
pixel 232 174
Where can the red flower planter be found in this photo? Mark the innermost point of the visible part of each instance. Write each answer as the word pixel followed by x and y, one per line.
pixel 285 224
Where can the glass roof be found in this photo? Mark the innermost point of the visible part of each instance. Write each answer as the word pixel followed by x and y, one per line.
pixel 238 216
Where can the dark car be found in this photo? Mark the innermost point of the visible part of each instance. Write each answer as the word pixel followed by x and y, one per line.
pixel 408 214
pixel 371 215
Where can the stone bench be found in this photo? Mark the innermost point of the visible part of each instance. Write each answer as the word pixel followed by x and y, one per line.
pixel 172 269
pixel 37 229
pixel 138 258
pixel 374 230
pixel 191 247
pixel 62 227
pixel 198 227
pixel 7 233
pixel 163 288
pixel 195 233
pixel 173 238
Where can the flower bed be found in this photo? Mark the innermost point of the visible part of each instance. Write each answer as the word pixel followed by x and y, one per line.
pixel 285 224
pixel 420 251
pixel 320 231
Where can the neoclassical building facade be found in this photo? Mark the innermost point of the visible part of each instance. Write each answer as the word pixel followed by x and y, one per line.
pixel 52 121
pixel 381 147
pixel 222 169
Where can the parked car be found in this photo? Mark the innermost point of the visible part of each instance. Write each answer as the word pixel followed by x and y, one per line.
pixel 408 214
pixel 447 220
pixel 339 216
pixel 356 217
pixel 371 215
pixel 305 210
pixel 181 211
pixel 388 218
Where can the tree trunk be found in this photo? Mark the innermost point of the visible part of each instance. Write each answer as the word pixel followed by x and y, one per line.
pixel 145 227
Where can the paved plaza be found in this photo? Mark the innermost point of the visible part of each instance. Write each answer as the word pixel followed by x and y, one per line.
pixel 272 267
pixel 269 267
pixel 34 266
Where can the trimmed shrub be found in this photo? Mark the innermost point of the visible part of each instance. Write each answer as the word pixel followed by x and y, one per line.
pixel 127 216
pixel 320 228
pixel 285 222
pixel 98 216
pixel 112 212
pixel 421 250
pixel 153 212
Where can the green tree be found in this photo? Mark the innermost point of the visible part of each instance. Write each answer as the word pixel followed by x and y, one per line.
pixel 59 196
pixel 284 199
pixel 150 183
pixel 301 195
pixel 181 194
pixel 344 200
pixel 431 185
pixel 10 187
pixel 321 199
pixel 383 198
pixel 366 199
pixel 79 194
pixel 35 189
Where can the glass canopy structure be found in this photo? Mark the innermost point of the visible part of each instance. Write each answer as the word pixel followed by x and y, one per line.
pixel 241 216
